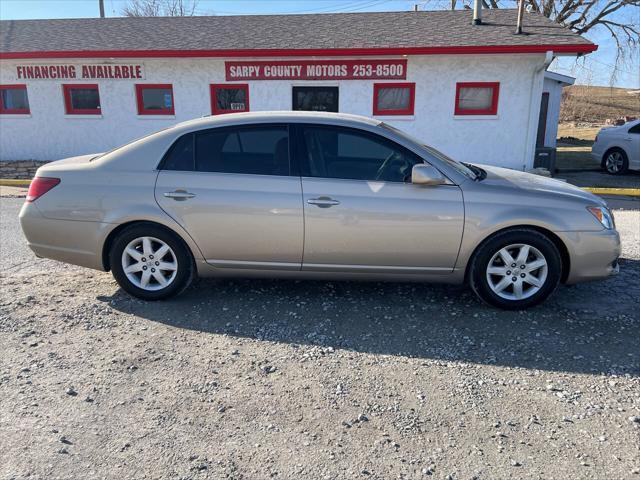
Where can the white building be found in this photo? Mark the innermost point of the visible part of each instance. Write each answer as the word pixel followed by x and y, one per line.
pixel 70 87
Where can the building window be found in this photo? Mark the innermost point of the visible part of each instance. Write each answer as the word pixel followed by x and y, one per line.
pixel 14 99
pixel 315 99
pixel 229 98
pixel 81 99
pixel 155 99
pixel 477 98
pixel 393 98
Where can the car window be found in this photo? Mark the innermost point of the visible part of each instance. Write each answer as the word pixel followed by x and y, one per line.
pixel 258 150
pixel 347 153
pixel 464 170
pixel 180 155
pixel 635 129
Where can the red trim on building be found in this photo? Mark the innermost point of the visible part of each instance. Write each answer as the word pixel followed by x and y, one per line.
pixel 150 86
pixel 492 110
pixel 68 106
pixel 230 86
pixel 13 111
pixel 412 98
pixel 319 52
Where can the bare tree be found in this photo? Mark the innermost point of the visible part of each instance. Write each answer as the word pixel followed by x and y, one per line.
pixel 620 18
pixel 160 8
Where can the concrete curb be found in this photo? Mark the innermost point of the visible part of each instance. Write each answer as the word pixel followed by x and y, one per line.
pixel 11 182
pixel 626 192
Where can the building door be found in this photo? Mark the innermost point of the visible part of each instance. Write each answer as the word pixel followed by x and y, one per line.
pixel 363 214
pixel 542 120
pixel 315 99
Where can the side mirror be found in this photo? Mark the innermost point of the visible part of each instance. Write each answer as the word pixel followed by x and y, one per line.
pixel 423 174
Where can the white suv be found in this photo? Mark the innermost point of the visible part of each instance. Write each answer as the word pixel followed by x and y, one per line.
pixel 618 148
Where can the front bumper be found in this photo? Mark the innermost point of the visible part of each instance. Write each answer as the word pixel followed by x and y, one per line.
pixel 592 255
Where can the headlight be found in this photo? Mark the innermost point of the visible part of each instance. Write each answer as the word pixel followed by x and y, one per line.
pixel 603 215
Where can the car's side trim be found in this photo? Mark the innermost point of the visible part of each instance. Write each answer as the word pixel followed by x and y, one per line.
pixel 254 265
pixel 391 269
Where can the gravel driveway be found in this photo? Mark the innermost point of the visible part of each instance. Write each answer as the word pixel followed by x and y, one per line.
pixel 252 379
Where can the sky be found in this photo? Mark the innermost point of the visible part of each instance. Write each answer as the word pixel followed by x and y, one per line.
pixel 593 69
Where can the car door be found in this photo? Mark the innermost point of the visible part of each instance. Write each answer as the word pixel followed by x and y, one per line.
pixel 362 214
pixel 231 189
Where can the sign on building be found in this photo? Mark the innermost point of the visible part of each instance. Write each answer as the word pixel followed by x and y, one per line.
pixel 392 69
pixel 90 71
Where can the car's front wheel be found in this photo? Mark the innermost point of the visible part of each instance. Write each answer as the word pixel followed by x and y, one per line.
pixel 515 269
pixel 150 263
pixel 615 162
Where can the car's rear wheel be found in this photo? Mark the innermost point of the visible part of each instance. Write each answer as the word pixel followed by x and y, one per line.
pixel 515 269
pixel 150 262
pixel 615 162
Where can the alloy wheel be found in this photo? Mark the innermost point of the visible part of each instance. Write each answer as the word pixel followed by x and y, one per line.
pixel 149 263
pixel 614 162
pixel 517 271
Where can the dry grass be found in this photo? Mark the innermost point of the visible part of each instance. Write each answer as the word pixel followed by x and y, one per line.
pixel 581 133
pixel 586 104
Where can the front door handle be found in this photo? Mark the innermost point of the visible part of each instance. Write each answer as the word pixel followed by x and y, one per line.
pixel 323 202
pixel 179 195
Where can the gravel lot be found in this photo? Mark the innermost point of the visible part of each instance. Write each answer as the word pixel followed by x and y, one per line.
pixel 260 379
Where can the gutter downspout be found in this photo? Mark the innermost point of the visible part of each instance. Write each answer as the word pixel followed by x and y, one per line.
pixel 534 113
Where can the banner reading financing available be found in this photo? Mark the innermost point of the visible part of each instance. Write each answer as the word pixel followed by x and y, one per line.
pixel 317 70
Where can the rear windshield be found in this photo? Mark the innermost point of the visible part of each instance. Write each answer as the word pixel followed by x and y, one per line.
pixel 126 144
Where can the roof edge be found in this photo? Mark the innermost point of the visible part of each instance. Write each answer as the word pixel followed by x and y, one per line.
pixel 580 48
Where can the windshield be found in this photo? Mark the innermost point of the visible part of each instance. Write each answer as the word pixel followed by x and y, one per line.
pixel 464 170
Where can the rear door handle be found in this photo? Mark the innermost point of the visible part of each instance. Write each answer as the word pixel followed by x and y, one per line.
pixel 323 202
pixel 179 195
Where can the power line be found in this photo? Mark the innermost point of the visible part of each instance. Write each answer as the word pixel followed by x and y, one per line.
pixel 350 7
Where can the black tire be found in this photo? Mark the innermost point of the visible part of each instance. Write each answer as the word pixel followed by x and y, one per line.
pixel 485 253
pixel 185 265
pixel 625 161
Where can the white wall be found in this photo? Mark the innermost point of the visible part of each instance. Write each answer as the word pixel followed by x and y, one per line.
pixel 48 134
pixel 554 88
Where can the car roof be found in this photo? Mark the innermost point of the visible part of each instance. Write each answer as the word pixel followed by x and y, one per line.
pixel 276 116
pixel 629 124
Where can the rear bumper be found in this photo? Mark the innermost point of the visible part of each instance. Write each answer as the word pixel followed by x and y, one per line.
pixel 69 241
pixel 593 255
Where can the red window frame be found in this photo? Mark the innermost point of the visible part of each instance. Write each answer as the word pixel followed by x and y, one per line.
pixel 227 86
pixel 492 110
pixel 67 88
pixel 412 98
pixel 13 111
pixel 150 86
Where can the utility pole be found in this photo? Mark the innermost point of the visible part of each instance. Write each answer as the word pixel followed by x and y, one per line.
pixel 101 3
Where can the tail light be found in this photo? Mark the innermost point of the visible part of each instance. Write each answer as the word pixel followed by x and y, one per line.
pixel 39 186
